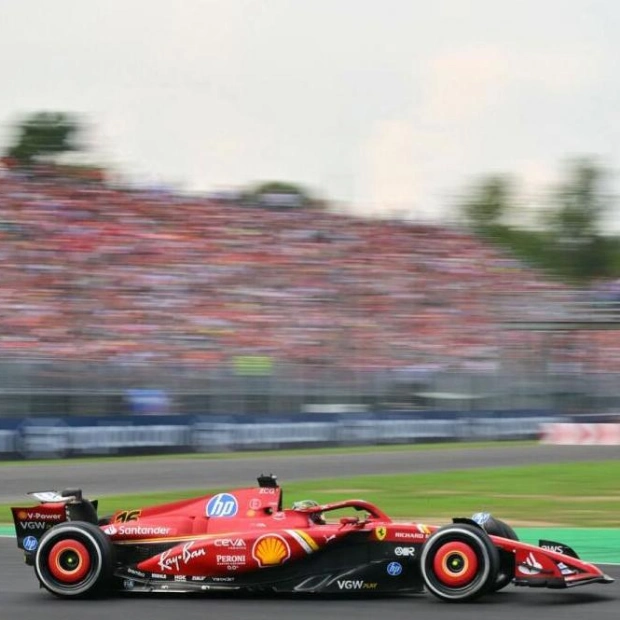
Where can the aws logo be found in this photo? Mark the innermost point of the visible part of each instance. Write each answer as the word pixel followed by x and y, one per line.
pixel 556 548
pixel 271 550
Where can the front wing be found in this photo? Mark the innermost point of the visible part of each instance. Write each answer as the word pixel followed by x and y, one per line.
pixel 540 567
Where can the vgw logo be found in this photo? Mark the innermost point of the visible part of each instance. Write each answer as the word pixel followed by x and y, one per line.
pixel 222 505
pixel 32 525
pixel 357 584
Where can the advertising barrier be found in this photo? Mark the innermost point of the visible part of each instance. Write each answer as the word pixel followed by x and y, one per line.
pixel 61 437
pixel 581 434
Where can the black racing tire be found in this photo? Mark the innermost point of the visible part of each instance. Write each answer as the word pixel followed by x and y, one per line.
pixel 459 563
pixel 497 527
pixel 75 560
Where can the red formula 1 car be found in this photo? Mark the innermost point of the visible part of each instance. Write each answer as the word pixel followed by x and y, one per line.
pixel 244 540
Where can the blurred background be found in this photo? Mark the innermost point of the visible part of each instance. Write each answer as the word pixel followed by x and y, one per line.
pixel 391 223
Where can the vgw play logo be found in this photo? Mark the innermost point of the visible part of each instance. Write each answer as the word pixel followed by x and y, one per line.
pixel 222 505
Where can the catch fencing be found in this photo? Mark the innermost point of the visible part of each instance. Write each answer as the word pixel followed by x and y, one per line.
pixel 29 389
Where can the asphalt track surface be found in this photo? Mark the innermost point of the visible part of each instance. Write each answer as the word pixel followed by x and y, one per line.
pixel 110 477
pixel 20 597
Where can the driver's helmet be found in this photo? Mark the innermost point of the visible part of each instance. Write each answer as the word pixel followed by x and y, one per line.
pixel 304 504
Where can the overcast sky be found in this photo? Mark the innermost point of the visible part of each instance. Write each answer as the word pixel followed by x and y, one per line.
pixel 384 104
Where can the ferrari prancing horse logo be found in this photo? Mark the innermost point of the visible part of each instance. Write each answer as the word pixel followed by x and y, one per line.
pixel 380 532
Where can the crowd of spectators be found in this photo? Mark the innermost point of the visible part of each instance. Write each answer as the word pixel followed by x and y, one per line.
pixel 93 272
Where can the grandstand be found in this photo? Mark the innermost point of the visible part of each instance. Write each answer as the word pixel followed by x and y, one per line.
pixel 112 282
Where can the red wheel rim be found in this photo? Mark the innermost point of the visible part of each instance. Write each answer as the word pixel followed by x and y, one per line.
pixel 455 564
pixel 69 561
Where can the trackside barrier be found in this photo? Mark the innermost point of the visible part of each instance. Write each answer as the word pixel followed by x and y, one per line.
pixel 569 434
pixel 47 437
pixel 227 436
pixel 7 442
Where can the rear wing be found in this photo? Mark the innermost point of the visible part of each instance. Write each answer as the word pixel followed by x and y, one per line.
pixel 31 522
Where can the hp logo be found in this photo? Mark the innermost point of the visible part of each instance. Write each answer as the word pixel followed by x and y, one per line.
pixel 222 505
pixel 394 569
pixel 30 543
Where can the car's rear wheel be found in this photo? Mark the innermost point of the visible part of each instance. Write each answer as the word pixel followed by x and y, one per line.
pixel 459 563
pixel 74 559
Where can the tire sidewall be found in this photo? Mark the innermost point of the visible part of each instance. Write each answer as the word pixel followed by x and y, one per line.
pixel 507 560
pixel 98 547
pixel 482 546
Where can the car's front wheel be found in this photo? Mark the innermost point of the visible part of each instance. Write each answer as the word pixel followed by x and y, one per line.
pixel 74 559
pixel 506 573
pixel 459 563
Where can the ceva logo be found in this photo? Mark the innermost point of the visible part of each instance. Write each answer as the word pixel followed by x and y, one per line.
pixel 222 505
pixel 237 543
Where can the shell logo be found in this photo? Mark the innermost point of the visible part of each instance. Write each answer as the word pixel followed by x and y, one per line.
pixel 22 514
pixel 271 550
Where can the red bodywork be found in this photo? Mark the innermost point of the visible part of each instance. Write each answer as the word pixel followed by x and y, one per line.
pixel 229 538
pixel 241 536
pixel 255 533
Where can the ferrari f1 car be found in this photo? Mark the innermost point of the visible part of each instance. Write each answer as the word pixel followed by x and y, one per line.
pixel 245 540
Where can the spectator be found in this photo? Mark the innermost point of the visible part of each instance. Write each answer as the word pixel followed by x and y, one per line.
pixel 91 272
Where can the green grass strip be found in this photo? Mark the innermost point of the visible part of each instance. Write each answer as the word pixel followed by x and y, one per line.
pixel 600 545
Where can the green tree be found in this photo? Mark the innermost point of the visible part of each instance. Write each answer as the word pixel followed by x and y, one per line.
pixel 43 136
pixel 488 202
pixel 278 194
pixel 577 219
